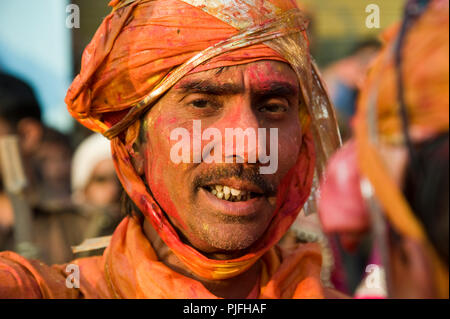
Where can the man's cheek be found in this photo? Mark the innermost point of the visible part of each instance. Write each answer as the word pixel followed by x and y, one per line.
pixel 288 153
pixel 159 179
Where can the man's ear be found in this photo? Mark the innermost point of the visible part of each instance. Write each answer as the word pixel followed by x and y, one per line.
pixel 30 132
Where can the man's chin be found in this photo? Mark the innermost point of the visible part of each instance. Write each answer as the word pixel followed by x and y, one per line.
pixel 227 240
pixel 229 228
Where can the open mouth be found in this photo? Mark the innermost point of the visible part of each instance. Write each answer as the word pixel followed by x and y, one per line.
pixel 235 197
pixel 228 193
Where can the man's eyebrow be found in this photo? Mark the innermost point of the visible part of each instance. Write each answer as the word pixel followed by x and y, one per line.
pixel 273 88
pixel 211 88
pixel 278 88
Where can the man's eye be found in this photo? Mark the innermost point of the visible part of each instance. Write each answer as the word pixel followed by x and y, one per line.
pixel 200 103
pixel 273 108
pixel 205 105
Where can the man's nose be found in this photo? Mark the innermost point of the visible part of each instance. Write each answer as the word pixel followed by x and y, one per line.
pixel 239 128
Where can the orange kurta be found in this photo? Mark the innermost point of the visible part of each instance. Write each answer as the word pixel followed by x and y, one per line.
pixel 129 269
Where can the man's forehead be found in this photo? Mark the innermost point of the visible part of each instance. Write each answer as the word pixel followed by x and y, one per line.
pixel 261 74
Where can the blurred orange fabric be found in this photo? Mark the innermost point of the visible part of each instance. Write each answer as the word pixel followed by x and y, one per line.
pixel 425 69
pixel 426 77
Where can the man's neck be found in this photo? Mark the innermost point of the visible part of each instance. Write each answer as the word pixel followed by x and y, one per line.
pixel 238 287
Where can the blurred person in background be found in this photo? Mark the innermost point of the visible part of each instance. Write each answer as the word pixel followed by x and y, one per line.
pixel 46 155
pixel 51 166
pixel 95 187
pixel 392 179
pixel 344 79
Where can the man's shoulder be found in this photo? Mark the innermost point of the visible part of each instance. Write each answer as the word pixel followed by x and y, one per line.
pixel 92 275
pixel 24 278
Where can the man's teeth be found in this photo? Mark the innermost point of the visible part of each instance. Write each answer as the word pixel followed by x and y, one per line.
pixel 230 194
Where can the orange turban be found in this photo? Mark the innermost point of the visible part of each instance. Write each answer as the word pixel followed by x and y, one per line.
pixel 144 47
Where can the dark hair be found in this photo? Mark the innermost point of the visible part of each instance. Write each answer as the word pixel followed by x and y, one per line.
pixel 427 190
pixel 17 100
pixel 129 208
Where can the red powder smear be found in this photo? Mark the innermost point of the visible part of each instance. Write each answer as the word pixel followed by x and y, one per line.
pixel 264 79
pixel 172 120
pixel 159 121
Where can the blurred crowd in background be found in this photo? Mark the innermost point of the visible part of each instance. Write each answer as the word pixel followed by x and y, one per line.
pixel 72 190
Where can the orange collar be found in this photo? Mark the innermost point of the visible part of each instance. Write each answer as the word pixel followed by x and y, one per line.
pixel 132 270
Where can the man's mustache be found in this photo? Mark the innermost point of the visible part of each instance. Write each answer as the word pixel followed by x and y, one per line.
pixel 244 172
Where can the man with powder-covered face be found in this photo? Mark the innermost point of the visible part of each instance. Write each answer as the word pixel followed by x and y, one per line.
pixel 198 198
pixel 197 227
